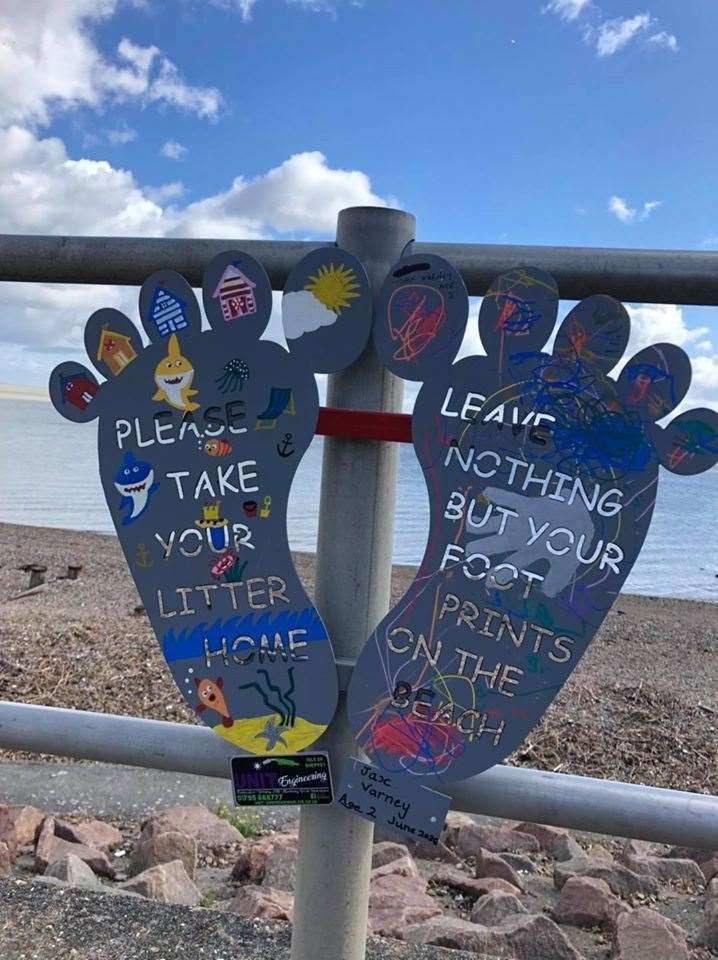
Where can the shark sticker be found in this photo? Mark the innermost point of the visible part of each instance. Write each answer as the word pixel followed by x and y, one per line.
pixel 173 377
pixel 135 482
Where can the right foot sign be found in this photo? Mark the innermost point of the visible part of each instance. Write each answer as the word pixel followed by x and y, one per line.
pixel 542 474
pixel 200 435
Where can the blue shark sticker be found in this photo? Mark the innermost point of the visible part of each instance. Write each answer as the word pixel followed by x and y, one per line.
pixel 135 481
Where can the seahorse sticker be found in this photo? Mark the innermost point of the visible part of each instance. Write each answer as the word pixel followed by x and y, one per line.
pixel 173 377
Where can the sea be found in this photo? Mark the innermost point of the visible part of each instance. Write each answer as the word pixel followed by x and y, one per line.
pixel 49 478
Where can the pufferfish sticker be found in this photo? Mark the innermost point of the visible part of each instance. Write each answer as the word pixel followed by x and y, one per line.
pixel 326 300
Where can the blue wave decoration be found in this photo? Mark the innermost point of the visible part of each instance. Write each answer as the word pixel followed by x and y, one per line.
pixel 188 644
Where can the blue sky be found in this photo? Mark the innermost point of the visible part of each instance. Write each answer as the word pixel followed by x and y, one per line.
pixel 563 122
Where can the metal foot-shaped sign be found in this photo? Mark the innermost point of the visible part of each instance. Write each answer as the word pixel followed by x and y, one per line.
pixel 200 435
pixel 542 473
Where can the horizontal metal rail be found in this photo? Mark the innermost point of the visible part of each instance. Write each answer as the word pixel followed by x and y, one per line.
pixel 639 276
pixel 516 793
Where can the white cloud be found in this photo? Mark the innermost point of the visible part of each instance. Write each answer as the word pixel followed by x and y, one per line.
pixel 613 35
pixel 303 193
pixel 704 346
pixel 620 208
pixel 567 9
pixel 121 135
pixel 50 61
pixel 43 190
pixel 664 39
pixel 173 150
pixel 703 391
pixel 303 313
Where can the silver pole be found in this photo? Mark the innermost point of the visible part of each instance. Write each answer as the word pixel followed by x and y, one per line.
pixel 520 793
pixel 637 276
pixel 352 592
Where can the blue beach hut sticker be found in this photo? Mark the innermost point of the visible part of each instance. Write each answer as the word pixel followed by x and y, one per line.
pixel 167 312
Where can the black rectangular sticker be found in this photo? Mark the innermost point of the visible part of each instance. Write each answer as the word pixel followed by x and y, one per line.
pixel 302 778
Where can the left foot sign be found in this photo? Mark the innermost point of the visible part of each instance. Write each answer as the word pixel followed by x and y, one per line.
pixel 200 435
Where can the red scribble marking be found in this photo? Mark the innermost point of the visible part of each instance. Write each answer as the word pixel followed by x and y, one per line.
pixel 416 739
pixel 507 311
pixel 678 455
pixel 641 384
pixel 421 324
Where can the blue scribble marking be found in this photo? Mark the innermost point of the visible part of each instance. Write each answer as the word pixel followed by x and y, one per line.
pixel 191 643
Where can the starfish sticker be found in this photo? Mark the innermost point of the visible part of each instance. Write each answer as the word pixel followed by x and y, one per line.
pixel 272 733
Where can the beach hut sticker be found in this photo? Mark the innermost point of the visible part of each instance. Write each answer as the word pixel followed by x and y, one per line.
pixel 77 390
pixel 235 293
pixel 167 312
pixel 115 349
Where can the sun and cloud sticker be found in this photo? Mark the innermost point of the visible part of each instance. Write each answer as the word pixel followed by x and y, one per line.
pixel 326 307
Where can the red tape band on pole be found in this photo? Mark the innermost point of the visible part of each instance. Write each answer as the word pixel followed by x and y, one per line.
pixel 364 425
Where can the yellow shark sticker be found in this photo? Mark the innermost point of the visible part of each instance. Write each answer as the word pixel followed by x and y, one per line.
pixel 173 376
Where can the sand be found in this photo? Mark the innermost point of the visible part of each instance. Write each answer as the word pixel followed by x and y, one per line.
pixel 642 705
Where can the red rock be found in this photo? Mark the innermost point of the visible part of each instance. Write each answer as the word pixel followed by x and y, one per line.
pixel 492 865
pixel 452 825
pixel 494 907
pixel 471 886
pixel 707 934
pixel 475 837
pixel 622 881
pixel 280 867
pixel 251 860
pixel 194 820
pixel 92 833
pixel 709 869
pixel 386 851
pixel 643 934
pixel 395 902
pixel 566 848
pixel 8 835
pixel 692 853
pixel 167 882
pixel 587 902
pixel 27 821
pixel 164 848
pixel 253 902
pixel 545 835
pixel 666 868
pixel 520 937
pixel 74 872
pixel 6 860
pixel 50 848
pixel 397 868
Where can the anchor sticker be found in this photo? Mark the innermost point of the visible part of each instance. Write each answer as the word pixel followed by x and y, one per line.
pixel 266 508
pixel 143 558
pixel 285 448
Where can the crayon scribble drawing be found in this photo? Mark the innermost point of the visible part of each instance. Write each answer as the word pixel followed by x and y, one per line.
pixel 200 435
pixel 542 473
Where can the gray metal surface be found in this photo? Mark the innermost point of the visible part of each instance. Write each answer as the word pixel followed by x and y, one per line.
pixel 352 586
pixel 518 793
pixel 649 276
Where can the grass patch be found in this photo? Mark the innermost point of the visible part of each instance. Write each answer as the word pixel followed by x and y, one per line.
pixel 248 824
pixel 208 899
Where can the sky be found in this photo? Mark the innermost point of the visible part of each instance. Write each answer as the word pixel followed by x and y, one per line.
pixel 552 122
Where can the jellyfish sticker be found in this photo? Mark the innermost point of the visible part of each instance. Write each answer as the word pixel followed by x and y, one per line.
pixel 234 376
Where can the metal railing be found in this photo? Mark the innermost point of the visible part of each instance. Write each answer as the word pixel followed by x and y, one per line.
pixel 354 559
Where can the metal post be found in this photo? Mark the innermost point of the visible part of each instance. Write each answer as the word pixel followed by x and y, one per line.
pixel 352 594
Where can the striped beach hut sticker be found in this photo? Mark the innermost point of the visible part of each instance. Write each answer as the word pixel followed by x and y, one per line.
pixel 235 293
pixel 167 312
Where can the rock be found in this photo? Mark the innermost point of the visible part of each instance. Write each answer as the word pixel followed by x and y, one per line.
pixel 707 933
pixel 386 851
pixel 622 881
pixel 74 872
pixel 599 852
pixel 643 934
pixel 493 908
pixel 566 848
pixel 265 902
pixel 395 902
pixel 471 886
pixel 475 837
pixel 691 853
pixel 7 830
pixel 6 860
pixel 666 868
pixel 401 868
pixel 91 833
pixel 709 869
pixel 164 848
pixel 452 825
pixel 492 865
pixel 27 821
pixel 280 867
pixel 251 860
pixel 520 937
pixel 546 836
pixel 50 848
pixel 194 820
pixel 167 882
pixel 587 902
pixel 635 848
pixel 519 863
